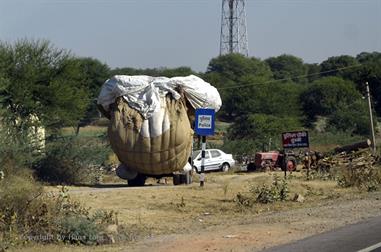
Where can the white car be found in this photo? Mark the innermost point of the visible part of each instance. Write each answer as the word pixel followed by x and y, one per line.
pixel 214 160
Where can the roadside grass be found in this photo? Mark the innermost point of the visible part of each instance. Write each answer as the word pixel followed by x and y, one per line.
pixel 88 131
pixel 166 209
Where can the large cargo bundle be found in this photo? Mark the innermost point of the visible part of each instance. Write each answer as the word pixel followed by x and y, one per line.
pixel 150 127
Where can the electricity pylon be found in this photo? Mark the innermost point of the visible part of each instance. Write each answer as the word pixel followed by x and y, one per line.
pixel 233 28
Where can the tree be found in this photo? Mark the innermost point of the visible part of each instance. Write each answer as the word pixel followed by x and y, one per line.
pixel 40 85
pixel 352 118
pixel 325 95
pixel 235 66
pixel 233 74
pixel 329 67
pixel 338 100
pixel 167 72
pixel 260 127
pixel 370 71
pixel 265 98
pixel 313 72
pixel 366 67
pixel 288 67
pixel 94 73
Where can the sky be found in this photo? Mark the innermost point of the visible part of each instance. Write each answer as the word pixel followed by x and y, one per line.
pixel 173 33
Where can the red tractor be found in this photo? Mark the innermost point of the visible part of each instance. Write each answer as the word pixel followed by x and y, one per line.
pixel 272 160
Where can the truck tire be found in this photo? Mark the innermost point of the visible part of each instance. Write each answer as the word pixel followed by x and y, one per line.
pixel 176 179
pixel 186 178
pixel 140 180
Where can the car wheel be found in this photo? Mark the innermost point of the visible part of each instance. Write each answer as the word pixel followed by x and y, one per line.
pixel 225 167
pixel 140 180
pixel 195 169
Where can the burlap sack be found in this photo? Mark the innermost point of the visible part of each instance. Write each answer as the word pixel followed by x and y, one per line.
pixel 163 154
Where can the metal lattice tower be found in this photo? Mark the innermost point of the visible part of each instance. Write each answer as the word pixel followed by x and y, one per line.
pixel 233 28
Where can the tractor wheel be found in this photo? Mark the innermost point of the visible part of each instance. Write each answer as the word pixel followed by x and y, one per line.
pixel 291 164
pixel 251 167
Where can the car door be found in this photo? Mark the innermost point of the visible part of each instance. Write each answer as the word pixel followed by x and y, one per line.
pixel 216 159
pixel 208 161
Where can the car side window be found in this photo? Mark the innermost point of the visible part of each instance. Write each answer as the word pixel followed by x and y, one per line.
pixel 215 154
pixel 207 155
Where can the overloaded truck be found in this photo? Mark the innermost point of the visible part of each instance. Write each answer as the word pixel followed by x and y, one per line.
pixel 150 127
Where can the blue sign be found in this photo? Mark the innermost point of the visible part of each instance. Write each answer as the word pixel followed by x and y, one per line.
pixel 204 125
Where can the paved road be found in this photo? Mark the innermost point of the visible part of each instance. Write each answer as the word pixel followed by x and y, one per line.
pixel 364 236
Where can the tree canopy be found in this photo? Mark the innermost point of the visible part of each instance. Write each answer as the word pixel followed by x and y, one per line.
pixel 337 99
pixel 340 66
pixel 232 74
pixel 40 84
pixel 288 67
pixel 94 73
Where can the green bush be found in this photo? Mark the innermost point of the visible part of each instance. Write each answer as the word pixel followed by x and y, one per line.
pixel 72 160
pixel 16 152
pixel 276 191
pixel 27 214
pixel 241 147
pixel 251 133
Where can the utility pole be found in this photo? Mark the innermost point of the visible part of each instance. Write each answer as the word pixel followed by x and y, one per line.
pixel 233 37
pixel 371 118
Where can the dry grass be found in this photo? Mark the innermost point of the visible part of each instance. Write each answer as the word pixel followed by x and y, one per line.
pixel 165 209
pixel 85 131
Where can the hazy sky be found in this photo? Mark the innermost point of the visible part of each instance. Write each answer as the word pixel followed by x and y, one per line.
pixel 171 33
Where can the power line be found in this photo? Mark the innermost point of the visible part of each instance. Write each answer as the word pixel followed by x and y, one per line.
pixel 293 77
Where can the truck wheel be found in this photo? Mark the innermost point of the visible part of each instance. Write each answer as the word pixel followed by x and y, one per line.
pixel 176 179
pixel 140 180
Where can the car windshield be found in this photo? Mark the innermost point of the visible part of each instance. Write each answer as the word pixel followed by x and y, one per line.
pixel 195 154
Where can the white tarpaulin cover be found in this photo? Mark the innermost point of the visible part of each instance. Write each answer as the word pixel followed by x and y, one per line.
pixel 144 93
